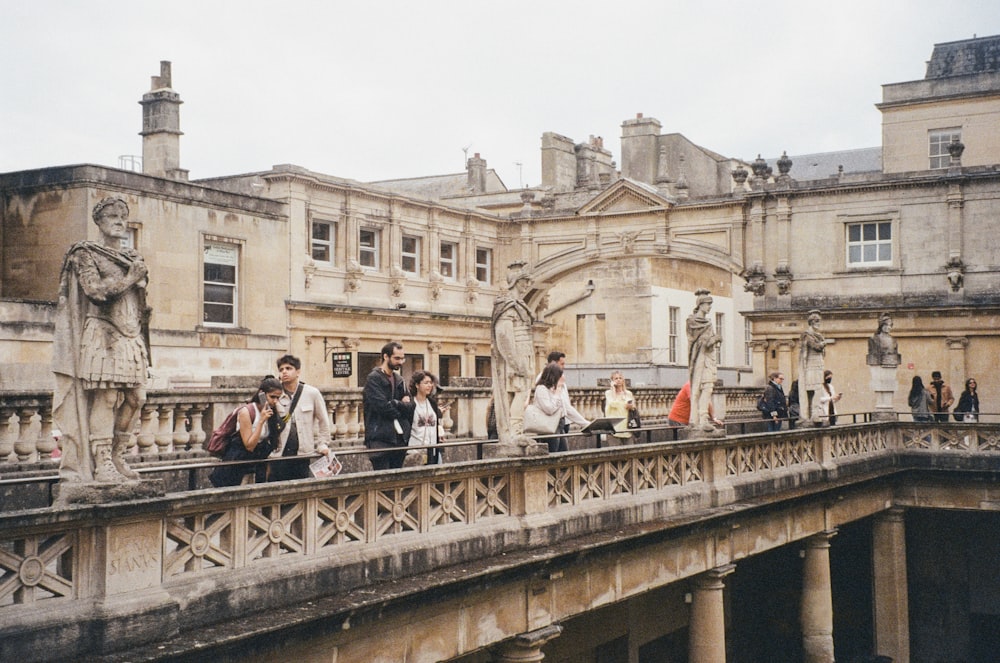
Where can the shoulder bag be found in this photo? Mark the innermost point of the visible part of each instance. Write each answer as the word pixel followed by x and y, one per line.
pixel 539 423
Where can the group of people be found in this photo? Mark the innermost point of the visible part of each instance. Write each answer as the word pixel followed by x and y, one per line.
pixel 776 407
pixel 934 404
pixel 284 418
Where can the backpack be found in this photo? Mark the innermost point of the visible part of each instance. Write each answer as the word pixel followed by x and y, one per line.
pixel 763 406
pixel 218 441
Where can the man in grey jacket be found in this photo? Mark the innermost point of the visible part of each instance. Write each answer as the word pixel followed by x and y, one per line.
pixel 305 428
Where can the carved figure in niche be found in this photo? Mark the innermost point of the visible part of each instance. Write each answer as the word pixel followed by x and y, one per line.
pixel 100 351
pixel 882 347
pixel 812 352
pixel 513 352
pixel 702 345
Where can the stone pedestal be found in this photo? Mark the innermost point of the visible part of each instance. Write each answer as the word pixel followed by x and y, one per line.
pixel 526 647
pixel 884 386
pixel 66 493
pixel 529 448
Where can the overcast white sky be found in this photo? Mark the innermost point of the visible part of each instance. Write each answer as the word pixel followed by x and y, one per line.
pixel 377 90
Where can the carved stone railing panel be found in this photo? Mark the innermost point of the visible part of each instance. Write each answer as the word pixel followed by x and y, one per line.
pixel 38 567
pixel 198 542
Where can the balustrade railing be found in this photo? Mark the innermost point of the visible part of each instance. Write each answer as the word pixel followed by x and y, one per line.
pixel 177 422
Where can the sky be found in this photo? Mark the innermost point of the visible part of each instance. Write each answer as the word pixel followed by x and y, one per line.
pixel 375 90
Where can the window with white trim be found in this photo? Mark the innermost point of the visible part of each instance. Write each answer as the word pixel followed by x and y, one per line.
pixel 221 272
pixel 368 254
pixel 410 254
pixel 869 243
pixel 674 316
pixel 939 141
pixel 448 260
pixel 484 266
pixel 322 241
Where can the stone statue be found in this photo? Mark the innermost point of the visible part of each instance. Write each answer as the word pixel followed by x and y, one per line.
pixel 100 351
pixel 512 357
pixel 703 343
pixel 812 351
pixel 882 348
pixel 883 360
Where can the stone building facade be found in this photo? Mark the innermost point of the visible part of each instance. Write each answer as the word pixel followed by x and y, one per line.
pixel 323 266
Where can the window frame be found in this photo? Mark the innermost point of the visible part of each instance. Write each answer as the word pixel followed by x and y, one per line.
pixel 892 218
pixel 452 261
pixel 374 250
pixel 484 268
pixel 330 243
pixel 673 325
pixel 414 255
pixel 937 146
pixel 237 247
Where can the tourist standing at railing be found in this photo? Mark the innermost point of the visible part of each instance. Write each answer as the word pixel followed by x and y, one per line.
pixel 305 428
pixel 425 418
pixel 680 410
pixel 570 413
pixel 255 438
pixel 619 402
pixel 943 398
pixel 549 400
pixel 775 406
pixel 830 397
pixel 383 400
pixel 919 401
pixel 967 409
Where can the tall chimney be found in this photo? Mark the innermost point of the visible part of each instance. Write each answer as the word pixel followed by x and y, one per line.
pixel 476 167
pixel 161 128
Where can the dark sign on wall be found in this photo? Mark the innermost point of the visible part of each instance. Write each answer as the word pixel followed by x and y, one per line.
pixel 343 367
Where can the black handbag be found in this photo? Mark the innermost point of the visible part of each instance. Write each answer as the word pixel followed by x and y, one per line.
pixel 633 419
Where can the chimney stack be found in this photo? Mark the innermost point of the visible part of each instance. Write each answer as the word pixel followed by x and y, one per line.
pixel 477 174
pixel 161 128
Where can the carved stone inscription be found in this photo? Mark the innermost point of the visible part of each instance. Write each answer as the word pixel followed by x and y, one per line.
pixel 133 557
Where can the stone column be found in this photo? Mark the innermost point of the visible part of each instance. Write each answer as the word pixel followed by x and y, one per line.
pixel 527 646
pixel 469 361
pixel 891 598
pixel 707 628
pixel 786 360
pixel 817 600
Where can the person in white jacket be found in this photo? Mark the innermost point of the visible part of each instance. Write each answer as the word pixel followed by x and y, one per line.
pixel 551 396
pixel 306 431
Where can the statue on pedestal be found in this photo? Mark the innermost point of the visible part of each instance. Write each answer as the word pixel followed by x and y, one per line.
pixel 703 344
pixel 512 358
pixel 100 351
pixel 883 359
pixel 812 351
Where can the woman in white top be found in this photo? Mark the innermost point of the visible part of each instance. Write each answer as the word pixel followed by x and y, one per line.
pixel 426 417
pixel 550 401
pixel 619 402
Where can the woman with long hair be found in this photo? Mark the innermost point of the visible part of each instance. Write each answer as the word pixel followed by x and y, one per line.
pixel 549 401
pixel 619 402
pixel 425 415
pixel 254 438
pixel 919 401
pixel 968 403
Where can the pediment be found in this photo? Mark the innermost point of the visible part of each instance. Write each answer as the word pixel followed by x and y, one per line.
pixel 624 196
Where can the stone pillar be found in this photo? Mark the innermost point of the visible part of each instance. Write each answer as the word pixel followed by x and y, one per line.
pixel 527 646
pixel 707 628
pixel 884 386
pixel 890 595
pixel 817 600
pixel 469 361
pixel 786 360
pixel 957 370
pixel 433 357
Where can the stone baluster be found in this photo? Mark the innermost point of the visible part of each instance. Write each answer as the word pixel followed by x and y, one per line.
pixel 340 420
pixel 198 434
pixel 181 434
pixel 147 430
pixel 6 446
pixel 355 425
pixel 331 409
pixel 46 444
pixel 164 436
pixel 24 446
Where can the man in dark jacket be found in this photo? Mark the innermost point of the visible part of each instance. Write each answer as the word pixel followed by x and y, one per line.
pixel 384 392
pixel 775 406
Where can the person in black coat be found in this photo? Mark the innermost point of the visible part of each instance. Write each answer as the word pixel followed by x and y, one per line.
pixel 386 425
pixel 775 405
pixel 968 403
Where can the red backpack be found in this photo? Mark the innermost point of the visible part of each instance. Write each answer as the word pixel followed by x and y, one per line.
pixel 218 441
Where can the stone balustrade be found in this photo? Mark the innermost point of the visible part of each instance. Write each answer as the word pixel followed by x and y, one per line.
pixel 179 421
pixel 58 562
